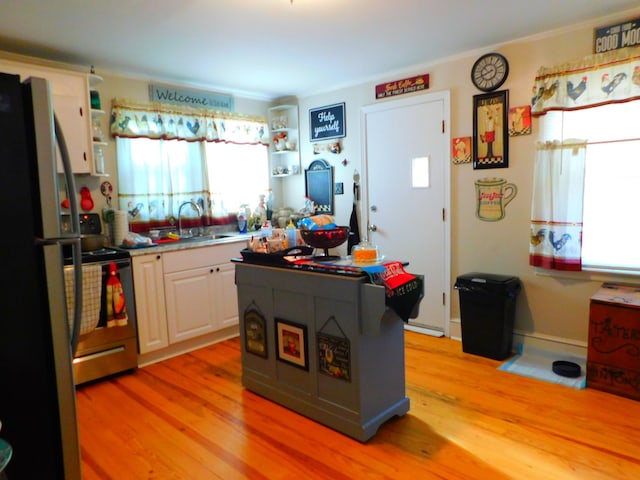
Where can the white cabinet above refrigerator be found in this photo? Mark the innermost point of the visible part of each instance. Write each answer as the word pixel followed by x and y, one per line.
pixel 70 92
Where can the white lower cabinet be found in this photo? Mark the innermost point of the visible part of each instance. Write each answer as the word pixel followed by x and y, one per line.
pixel 148 281
pixel 191 305
pixel 194 288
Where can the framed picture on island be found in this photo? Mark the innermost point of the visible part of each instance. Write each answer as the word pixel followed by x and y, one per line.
pixel 291 341
pixel 490 130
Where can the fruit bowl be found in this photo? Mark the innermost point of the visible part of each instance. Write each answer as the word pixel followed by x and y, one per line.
pixel 325 239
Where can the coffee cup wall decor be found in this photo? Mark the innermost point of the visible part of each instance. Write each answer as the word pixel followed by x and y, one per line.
pixel 492 197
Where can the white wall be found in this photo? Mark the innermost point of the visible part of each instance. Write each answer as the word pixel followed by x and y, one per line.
pixel 549 308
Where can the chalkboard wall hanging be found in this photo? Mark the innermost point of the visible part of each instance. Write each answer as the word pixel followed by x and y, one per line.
pixel 255 331
pixel 327 122
pixel 319 186
pixel 334 353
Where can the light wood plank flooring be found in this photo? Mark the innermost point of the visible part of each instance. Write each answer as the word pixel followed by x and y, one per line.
pixel 190 418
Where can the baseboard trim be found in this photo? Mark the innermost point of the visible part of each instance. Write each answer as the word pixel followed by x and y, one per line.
pixel 149 358
pixel 424 330
pixel 548 343
pixel 533 340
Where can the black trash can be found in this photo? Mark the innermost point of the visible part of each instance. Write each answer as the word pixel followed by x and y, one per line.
pixel 487 313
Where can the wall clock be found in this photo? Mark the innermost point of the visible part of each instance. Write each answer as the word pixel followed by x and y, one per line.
pixel 489 72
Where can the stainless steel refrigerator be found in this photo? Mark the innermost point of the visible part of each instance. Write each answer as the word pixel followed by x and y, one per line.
pixel 37 393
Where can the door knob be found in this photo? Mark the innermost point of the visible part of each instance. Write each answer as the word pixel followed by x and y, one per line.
pixel 374 208
pixel 372 228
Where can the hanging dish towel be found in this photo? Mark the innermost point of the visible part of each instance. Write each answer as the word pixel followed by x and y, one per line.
pixel 91 282
pixel 354 229
pixel 404 291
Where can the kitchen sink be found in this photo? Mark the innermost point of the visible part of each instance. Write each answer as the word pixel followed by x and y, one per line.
pixel 195 238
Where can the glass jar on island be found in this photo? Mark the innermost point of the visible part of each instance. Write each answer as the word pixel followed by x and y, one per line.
pixel 365 252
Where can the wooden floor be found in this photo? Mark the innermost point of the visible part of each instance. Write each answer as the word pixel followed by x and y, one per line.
pixel 190 418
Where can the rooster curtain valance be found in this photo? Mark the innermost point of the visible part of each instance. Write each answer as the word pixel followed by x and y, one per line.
pixel 161 121
pixel 593 80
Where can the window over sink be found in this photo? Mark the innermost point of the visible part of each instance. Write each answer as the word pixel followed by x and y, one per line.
pixel 166 158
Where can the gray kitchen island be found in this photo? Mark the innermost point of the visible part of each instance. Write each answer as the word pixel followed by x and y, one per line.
pixel 322 344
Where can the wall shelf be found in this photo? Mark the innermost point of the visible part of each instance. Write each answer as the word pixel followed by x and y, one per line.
pixel 284 157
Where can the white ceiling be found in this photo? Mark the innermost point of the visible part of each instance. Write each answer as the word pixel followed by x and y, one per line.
pixel 272 48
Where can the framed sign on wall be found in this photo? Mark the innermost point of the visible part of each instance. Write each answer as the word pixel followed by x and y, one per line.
pixel 490 130
pixel 327 122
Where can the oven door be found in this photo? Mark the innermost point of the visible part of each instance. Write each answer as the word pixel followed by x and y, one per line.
pixel 108 350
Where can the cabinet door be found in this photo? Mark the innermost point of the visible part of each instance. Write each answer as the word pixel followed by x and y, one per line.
pixel 150 303
pixel 72 116
pixel 227 295
pixel 190 298
pixel 70 92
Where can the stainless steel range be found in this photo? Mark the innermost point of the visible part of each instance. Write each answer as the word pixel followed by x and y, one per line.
pixel 107 350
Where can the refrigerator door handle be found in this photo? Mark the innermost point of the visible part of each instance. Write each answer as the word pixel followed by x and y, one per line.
pixel 75 241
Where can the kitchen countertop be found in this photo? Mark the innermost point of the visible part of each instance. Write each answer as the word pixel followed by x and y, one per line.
pixel 190 244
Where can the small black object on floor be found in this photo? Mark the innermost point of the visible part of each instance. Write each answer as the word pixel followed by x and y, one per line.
pixel 566 369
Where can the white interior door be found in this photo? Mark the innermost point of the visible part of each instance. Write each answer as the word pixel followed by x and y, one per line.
pixel 406 195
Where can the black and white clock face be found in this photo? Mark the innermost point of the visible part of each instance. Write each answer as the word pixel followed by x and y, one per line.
pixel 489 71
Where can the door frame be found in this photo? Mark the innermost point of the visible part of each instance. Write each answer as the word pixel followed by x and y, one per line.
pixel 445 97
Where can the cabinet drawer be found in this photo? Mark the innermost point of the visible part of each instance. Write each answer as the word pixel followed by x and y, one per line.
pixel 199 257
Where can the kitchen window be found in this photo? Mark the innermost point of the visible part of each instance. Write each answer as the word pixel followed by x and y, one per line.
pixel 611 231
pixel 168 156
pixel 162 174
pixel 587 164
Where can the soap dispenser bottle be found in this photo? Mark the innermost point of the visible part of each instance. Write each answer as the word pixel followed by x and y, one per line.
pixel 292 234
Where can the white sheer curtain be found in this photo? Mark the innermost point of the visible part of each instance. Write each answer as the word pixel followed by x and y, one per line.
pixel 169 155
pixel 556 206
pixel 156 176
pixel 241 174
pixel 558 185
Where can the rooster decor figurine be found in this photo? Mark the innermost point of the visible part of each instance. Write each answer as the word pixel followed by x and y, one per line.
pixel 610 86
pixel 575 92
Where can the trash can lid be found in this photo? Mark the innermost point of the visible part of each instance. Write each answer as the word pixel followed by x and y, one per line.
pixel 477 277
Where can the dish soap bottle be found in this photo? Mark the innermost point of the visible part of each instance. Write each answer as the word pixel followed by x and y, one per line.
pixel 292 234
pixel 242 221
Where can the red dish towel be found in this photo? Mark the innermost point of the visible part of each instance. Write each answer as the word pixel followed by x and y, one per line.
pixel 404 291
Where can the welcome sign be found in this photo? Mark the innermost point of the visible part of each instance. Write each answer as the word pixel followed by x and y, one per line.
pixel 191 98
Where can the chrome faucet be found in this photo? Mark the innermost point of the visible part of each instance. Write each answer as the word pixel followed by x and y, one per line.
pixel 194 205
